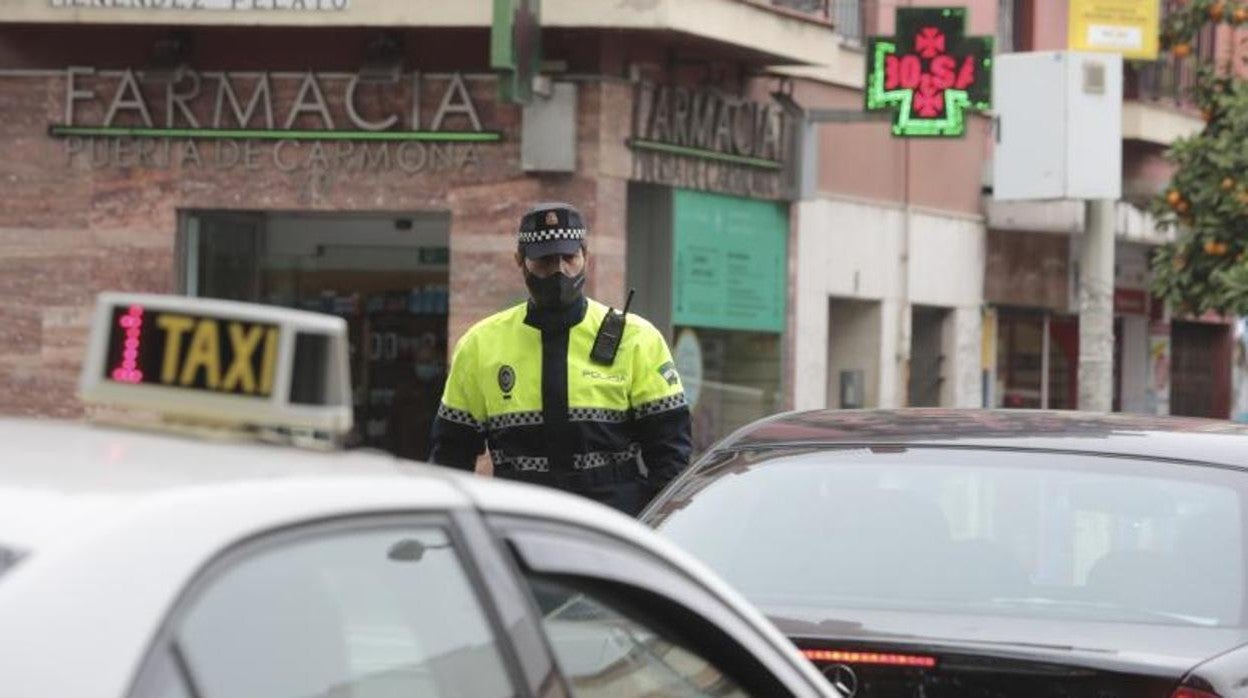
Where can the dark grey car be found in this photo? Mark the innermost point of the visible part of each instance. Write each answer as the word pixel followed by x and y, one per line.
pixel 970 553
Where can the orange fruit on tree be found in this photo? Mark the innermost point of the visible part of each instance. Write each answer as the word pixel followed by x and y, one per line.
pixel 1240 15
pixel 1182 206
pixel 1228 183
pixel 1215 248
pixel 1173 197
pixel 1181 50
pixel 1216 11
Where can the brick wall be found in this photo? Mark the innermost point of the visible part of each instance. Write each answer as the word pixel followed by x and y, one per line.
pixel 69 229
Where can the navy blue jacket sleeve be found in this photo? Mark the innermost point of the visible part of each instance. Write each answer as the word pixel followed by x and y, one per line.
pixel 666 440
pixel 455 444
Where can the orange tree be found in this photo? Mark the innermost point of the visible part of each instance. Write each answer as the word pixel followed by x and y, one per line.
pixel 1206 268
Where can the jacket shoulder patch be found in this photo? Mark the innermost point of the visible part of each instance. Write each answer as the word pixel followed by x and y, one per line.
pixel 668 371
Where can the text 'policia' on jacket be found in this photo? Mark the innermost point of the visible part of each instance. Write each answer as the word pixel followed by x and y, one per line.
pixel 595 421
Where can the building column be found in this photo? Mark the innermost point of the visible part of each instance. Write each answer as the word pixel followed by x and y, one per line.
pixel 893 388
pixel 963 352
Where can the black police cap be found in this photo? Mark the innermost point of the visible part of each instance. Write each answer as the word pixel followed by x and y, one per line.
pixel 551 228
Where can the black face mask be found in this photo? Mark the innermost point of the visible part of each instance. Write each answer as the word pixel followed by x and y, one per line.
pixel 556 291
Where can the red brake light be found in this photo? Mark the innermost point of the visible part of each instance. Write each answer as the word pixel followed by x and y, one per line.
pixel 1185 692
pixel 880 658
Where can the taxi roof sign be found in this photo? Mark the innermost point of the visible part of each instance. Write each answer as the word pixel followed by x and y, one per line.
pixel 231 363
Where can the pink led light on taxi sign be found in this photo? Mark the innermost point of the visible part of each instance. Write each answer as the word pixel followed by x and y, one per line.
pixel 132 324
pixel 877 658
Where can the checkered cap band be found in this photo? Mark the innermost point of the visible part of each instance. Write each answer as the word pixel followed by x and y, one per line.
pixel 529 237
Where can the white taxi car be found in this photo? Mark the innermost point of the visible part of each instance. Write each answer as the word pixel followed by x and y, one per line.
pixel 193 560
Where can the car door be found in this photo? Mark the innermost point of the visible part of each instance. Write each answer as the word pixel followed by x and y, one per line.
pixel 621 622
pixel 373 607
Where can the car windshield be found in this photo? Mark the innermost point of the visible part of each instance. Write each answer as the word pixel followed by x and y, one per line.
pixel 988 532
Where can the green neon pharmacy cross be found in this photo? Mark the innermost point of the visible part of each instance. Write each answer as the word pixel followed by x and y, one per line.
pixel 930 73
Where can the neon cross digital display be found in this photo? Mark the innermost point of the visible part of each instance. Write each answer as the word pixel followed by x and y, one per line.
pixel 930 73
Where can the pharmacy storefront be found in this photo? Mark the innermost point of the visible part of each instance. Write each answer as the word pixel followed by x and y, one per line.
pixel 389 198
pixel 708 220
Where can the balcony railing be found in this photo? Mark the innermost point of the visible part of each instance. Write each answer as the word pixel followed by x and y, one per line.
pixel 815 9
pixel 1168 80
pixel 844 15
pixel 819 8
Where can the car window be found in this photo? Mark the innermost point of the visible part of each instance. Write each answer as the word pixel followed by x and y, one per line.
pixel 162 678
pixel 985 532
pixel 608 652
pixel 364 614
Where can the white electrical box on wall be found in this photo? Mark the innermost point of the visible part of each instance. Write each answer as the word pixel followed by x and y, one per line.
pixel 1058 125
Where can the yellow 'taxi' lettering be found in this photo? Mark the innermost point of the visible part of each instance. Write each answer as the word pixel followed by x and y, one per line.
pixel 244 344
pixel 174 326
pixel 269 363
pixel 205 353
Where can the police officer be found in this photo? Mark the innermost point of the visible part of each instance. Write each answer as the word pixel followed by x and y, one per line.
pixel 615 428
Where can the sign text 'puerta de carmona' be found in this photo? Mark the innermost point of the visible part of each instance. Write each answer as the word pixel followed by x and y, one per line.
pixel 930 73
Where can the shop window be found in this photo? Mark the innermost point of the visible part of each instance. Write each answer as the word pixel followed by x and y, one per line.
pixel 387 275
pixel 1032 344
pixel 713 269
pixel 1037 361
pixel 730 378
pixel 1020 360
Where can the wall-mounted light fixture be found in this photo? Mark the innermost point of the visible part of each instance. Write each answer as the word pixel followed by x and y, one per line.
pixel 169 57
pixel 384 58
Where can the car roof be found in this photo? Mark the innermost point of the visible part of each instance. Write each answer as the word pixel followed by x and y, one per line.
pixel 58 474
pixel 145 511
pixel 1149 437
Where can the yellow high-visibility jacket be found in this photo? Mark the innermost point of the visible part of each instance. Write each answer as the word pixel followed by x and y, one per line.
pixel 522 381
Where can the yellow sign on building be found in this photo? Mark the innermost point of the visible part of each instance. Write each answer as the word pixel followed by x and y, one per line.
pixel 1129 27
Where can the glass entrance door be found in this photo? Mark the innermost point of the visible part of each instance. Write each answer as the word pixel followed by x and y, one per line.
pixel 386 275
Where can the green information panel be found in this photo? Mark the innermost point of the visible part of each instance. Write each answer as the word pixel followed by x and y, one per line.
pixel 731 262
